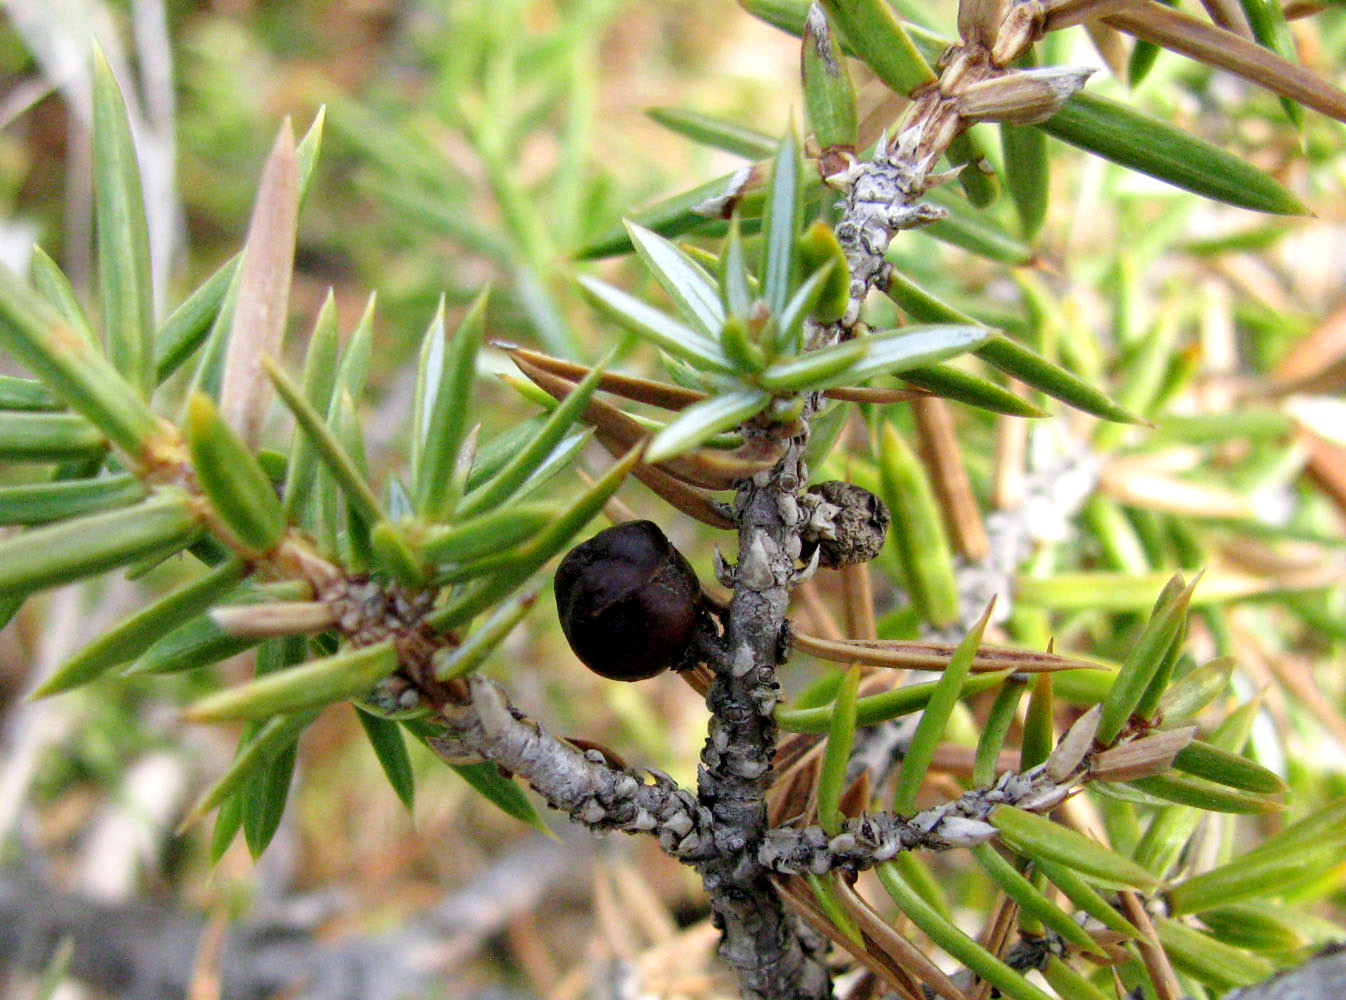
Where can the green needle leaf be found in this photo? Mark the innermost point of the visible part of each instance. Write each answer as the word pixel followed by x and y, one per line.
pixel 993 733
pixel 1267 20
pixel 123 239
pixel 975 231
pixel 684 212
pixel 1205 795
pixel 1009 356
pixel 1324 826
pixel 1031 900
pixel 1039 736
pixel 665 332
pixel 1038 837
pixel 51 283
pixel 82 547
pixel 394 554
pixel 1029 367
pixel 504 792
pixel 1027 174
pixel 1191 693
pixel 882 707
pixel 1083 895
pixel 41 503
pixel 26 394
pixel 317 683
pixel 780 258
pixel 1116 132
pixel 827 901
pixel 1214 963
pixel 716 132
pixel 703 420
pixel 1262 926
pixel 735 284
pixel 837 755
pixel 813 368
pixel 199 643
pixel 829 95
pixel 232 479
pixel 692 290
pixel 917 532
pixel 889 352
pixel 48 437
pixel 876 35
pixel 46 345
pixel 930 730
pixel 227 823
pixel 385 736
pixel 512 475
pixel 1206 761
pixel 978 178
pixel 482 641
pixel 947 935
pixel 334 457
pixel 1145 659
pixel 1069 983
pixel 956 384
pixel 306 154
pixel 444 384
pixel 319 380
pixel 254 755
pixel 189 324
pixel 475 537
pixel 126 640
pixel 821 253
pixel 490 590
pixel 264 800
pixel 1259 874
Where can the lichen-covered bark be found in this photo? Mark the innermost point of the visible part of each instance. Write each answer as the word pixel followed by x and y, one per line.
pixel 763 941
pixel 582 783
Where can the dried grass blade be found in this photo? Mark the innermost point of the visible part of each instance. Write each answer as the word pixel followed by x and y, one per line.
pixel 1321 350
pixel 704 468
pixel 1067 13
pixel 264 621
pixel 932 655
pixel 993 939
pixel 901 951
pixel 638 390
pixel 685 498
pixel 798 897
pixel 939 449
pixel 263 292
pixel 793 791
pixel 1131 483
pixel 857 595
pixel 1230 16
pixel 1222 49
pixel 1110 45
pixel 1162 976
pixel 868 394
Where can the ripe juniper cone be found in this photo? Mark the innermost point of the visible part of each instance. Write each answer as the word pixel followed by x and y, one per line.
pixel 629 602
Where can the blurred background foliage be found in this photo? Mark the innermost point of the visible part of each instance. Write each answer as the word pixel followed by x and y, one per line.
pixel 473 141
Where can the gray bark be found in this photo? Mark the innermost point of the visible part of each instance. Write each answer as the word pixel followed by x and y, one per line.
pixel 149 951
pixel 763 941
pixel 1322 977
pixel 582 783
